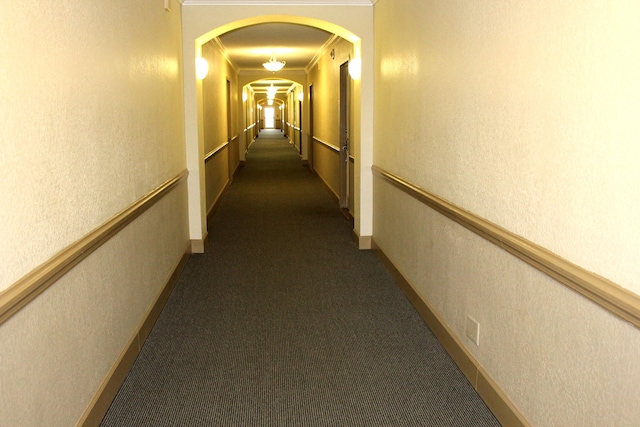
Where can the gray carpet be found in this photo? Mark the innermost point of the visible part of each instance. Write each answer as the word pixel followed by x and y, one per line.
pixel 284 322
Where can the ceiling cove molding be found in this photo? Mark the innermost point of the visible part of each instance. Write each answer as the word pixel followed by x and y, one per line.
pixel 278 2
pixel 322 51
pixel 223 50
pixel 268 75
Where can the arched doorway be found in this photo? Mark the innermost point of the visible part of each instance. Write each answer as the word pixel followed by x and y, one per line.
pixel 203 23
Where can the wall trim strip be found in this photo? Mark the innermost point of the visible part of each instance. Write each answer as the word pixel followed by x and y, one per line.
pixel 99 405
pixel 614 298
pixel 326 144
pixel 25 290
pixel 495 398
pixel 215 151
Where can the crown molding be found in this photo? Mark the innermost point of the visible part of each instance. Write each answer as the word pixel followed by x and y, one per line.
pixel 223 50
pixel 277 2
pixel 322 51
pixel 282 75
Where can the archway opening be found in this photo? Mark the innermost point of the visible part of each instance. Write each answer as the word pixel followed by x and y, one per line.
pixel 193 92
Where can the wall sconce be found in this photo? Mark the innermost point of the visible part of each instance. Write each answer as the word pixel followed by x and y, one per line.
pixel 244 96
pixel 355 68
pixel 301 96
pixel 202 68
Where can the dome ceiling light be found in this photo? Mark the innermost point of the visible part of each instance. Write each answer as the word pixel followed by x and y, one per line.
pixel 273 65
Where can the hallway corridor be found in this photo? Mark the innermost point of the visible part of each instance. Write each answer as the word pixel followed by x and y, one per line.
pixel 284 322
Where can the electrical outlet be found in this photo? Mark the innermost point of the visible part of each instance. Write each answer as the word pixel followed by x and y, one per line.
pixel 473 330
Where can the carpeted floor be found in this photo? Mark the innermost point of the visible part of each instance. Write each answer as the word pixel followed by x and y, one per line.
pixel 284 322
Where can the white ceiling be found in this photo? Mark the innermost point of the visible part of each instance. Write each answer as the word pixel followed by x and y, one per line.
pixel 249 47
pixel 296 44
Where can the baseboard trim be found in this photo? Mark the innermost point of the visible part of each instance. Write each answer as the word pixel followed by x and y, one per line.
pixel 100 403
pixel 608 295
pixel 327 187
pixel 363 242
pixel 494 397
pixel 216 202
pixel 25 290
pixel 198 246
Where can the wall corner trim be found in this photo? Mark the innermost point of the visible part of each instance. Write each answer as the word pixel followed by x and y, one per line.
pixel 198 246
pixel 494 397
pixel 610 296
pixel 25 290
pixel 363 242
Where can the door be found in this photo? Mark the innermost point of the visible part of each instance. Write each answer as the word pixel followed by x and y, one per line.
pixel 344 136
pixel 300 124
pixel 310 154
pixel 231 150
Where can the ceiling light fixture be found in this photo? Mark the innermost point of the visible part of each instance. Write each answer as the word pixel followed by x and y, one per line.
pixel 273 65
pixel 271 91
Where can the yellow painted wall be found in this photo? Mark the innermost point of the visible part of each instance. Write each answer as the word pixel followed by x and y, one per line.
pixel 325 78
pixel 524 113
pixel 214 101
pixel 91 120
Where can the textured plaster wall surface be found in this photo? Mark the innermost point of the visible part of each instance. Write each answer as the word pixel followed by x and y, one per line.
pixel 88 119
pixel 214 101
pixel 523 114
pixel 325 78
pixel 57 350
pixel 91 120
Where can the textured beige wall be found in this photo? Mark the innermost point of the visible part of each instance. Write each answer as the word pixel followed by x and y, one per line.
pixel 524 114
pixel 326 163
pixel 214 101
pixel 91 120
pixel 88 119
pixel 325 78
pixel 58 349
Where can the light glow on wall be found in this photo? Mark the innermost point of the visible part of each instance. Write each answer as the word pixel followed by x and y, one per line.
pixel 355 68
pixel 202 68
pixel 400 65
